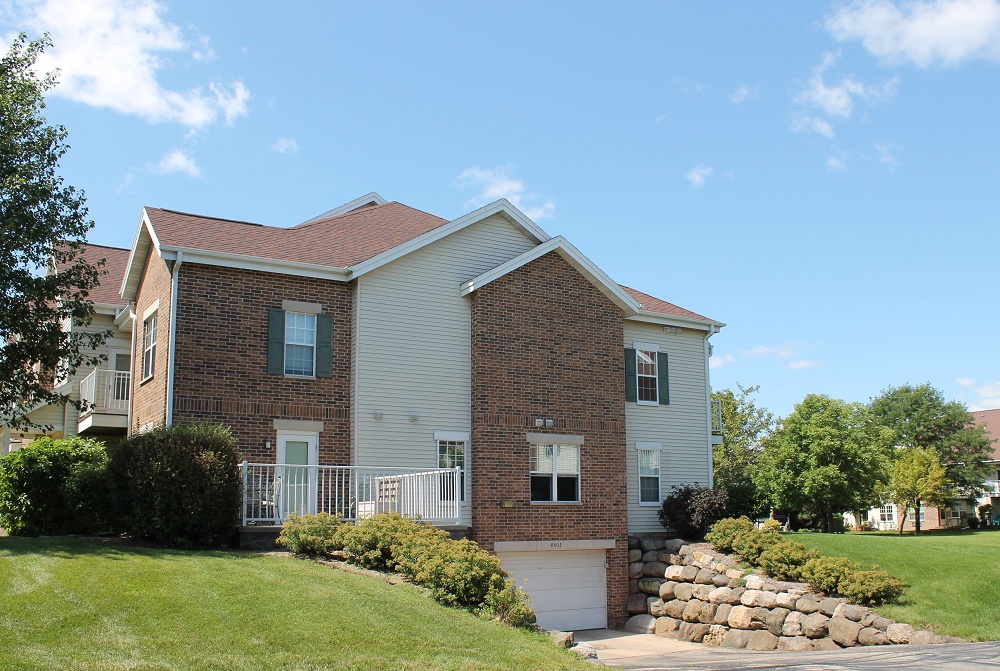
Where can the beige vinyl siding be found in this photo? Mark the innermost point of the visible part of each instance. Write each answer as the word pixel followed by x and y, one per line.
pixel 680 427
pixel 413 346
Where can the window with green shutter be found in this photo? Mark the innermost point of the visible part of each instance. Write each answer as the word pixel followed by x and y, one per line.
pixel 300 344
pixel 647 379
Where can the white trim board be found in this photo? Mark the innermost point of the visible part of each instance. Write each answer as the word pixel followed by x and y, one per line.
pixel 367 199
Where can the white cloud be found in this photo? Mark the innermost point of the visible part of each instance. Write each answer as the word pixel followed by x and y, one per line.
pixel 110 53
pixel 838 162
pixel 966 382
pixel 885 156
pixel 785 351
pixel 800 364
pixel 819 99
pixel 718 361
pixel 496 183
pixel 285 145
pixel 743 93
pixel 699 175
pixel 805 123
pixel 176 160
pixel 923 32
pixel 987 395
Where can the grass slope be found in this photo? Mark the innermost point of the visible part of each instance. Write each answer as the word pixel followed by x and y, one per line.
pixel 953 576
pixel 80 605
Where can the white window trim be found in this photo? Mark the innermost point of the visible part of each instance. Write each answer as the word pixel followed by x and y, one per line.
pixel 451 435
pixel 456 437
pixel 151 349
pixel 151 309
pixel 555 475
pixel 284 352
pixel 647 347
pixel 649 447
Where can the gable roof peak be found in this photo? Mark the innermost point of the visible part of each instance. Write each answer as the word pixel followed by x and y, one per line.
pixel 370 199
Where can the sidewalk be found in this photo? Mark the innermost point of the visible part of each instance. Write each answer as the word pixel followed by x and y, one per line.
pixel 613 645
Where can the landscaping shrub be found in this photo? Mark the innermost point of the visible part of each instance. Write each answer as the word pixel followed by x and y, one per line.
pixel 749 545
pixel 371 543
pixel 179 485
pixel 321 533
pixel 784 560
pixel 826 574
pixel 54 486
pixel 872 588
pixel 690 510
pixel 509 605
pixel 458 573
pixel 724 532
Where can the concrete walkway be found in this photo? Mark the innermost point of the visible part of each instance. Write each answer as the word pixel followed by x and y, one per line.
pixel 647 652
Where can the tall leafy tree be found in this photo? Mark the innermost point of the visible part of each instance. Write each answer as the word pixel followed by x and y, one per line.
pixel 917 476
pixel 826 458
pixel 43 227
pixel 745 425
pixel 919 416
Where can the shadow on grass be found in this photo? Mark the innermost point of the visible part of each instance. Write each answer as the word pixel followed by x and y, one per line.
pixel 114 549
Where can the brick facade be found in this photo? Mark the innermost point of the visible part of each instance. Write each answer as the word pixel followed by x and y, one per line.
pixel 149 396
pixel 546 343
pixel 221 364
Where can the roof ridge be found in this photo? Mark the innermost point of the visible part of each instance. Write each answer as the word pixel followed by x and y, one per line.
pixel 205 216
pixel 94 244
pixel 357 210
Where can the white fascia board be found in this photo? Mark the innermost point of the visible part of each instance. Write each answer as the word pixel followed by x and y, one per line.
pixel 575 257
pixel 670 320
pixel 501 206
pixel 145 237
pixel 349 207
pixel 279 266
pixel 107 309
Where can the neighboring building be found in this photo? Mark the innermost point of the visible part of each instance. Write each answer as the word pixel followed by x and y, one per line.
pixel 991 420
pixel 480 355
pixel 106 388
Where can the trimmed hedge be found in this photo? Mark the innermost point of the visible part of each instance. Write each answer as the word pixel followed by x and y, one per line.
pixel 54 487
pixel 826 574
pixel 724 532
pixel 321 533
pixel 177 485
pixel 784 561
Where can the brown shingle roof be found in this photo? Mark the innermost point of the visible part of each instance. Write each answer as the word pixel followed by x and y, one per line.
pixel 115 262
pixel 653 304
pixel 338 242
pixel 991 419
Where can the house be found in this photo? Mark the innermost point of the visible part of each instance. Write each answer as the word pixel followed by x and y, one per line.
pixel 477 372
pixel 888 516
pixel 104 389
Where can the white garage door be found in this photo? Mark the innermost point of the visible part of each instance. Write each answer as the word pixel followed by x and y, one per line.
pixel 568 588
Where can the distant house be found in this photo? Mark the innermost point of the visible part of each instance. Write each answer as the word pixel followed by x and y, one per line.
pixel 104 389
pixel 477 372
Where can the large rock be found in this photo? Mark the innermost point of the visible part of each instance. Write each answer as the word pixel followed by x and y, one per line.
pixel 794 643
pixel 654 569
pixel 922 637
pixel 851 612
pixel 692 611
pixel 716 634
pixel 871 636
pixel 666 626
pixel 721 580
pixel 758 598
pixel 636 603
pixel 656 606
pixel 647 543
pixel 633 542
pixel 722 614
pixel 825 644
pixel 775 620
pixel 651 556
pixel 694 632
pixel 674 573
pixel 899 633
pixel 762 640
pixel 844 632
pixel 705 576
pixel 720 595
pixel 635 570
pixel 674 545
pixel 736 638
pixel 755 582
pixel 868 619
pixel 667 557
pixel 641 624
pixel 882 623
pixel 701 592
pixel 735 573
pixel 807 606
pixel 667 590
pixel 829 605
pixel 675 608
pixel 689 573
pixel 793 624
pixel 634 556
pixel 815 625
pixel 633 586
pixel 708 613
pixel 736 595
pixel 651 585
pixel 562 639
pixel 585 650
pixel 740 617
pixel 683 591
pixel 786 600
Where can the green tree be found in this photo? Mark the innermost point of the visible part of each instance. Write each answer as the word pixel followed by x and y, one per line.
pixel 745 425
pixel 917 476
pixel 919 417
pixel 826 458
pixel 43 226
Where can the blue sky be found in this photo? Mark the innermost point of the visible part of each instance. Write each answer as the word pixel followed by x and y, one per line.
pixel 823 177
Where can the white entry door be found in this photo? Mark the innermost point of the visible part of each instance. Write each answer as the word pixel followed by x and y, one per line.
pixel 297 456
pixel 568 588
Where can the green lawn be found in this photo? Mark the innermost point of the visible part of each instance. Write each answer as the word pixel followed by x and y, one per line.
pixel 954 576
pixel 81 604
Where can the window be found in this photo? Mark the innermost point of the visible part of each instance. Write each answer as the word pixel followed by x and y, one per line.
pixel 649 472
pixel 555 473
pixel 300 341
pixel 645 369
pixel 646 378
pixel 149 346
pixel 300 344
pixel 887 514
pixel 451 454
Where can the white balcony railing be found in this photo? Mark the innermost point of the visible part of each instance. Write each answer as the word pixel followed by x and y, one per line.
pixel 716 417
pixel 106 392
pixel 271 492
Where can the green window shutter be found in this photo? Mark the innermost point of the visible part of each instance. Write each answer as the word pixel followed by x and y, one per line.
pixel 324 345
pixel 663 381
pixel 276 342
pixel 631 391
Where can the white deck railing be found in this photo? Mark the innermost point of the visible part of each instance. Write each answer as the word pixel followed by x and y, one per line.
pixel 106 391
pixel 716 417
pixel 271 492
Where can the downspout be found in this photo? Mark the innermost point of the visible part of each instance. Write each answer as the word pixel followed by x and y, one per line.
pixel 708 407
pixel 173 338
pixel 132 364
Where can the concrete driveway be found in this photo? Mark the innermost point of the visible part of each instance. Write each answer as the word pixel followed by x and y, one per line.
pixel 647 652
